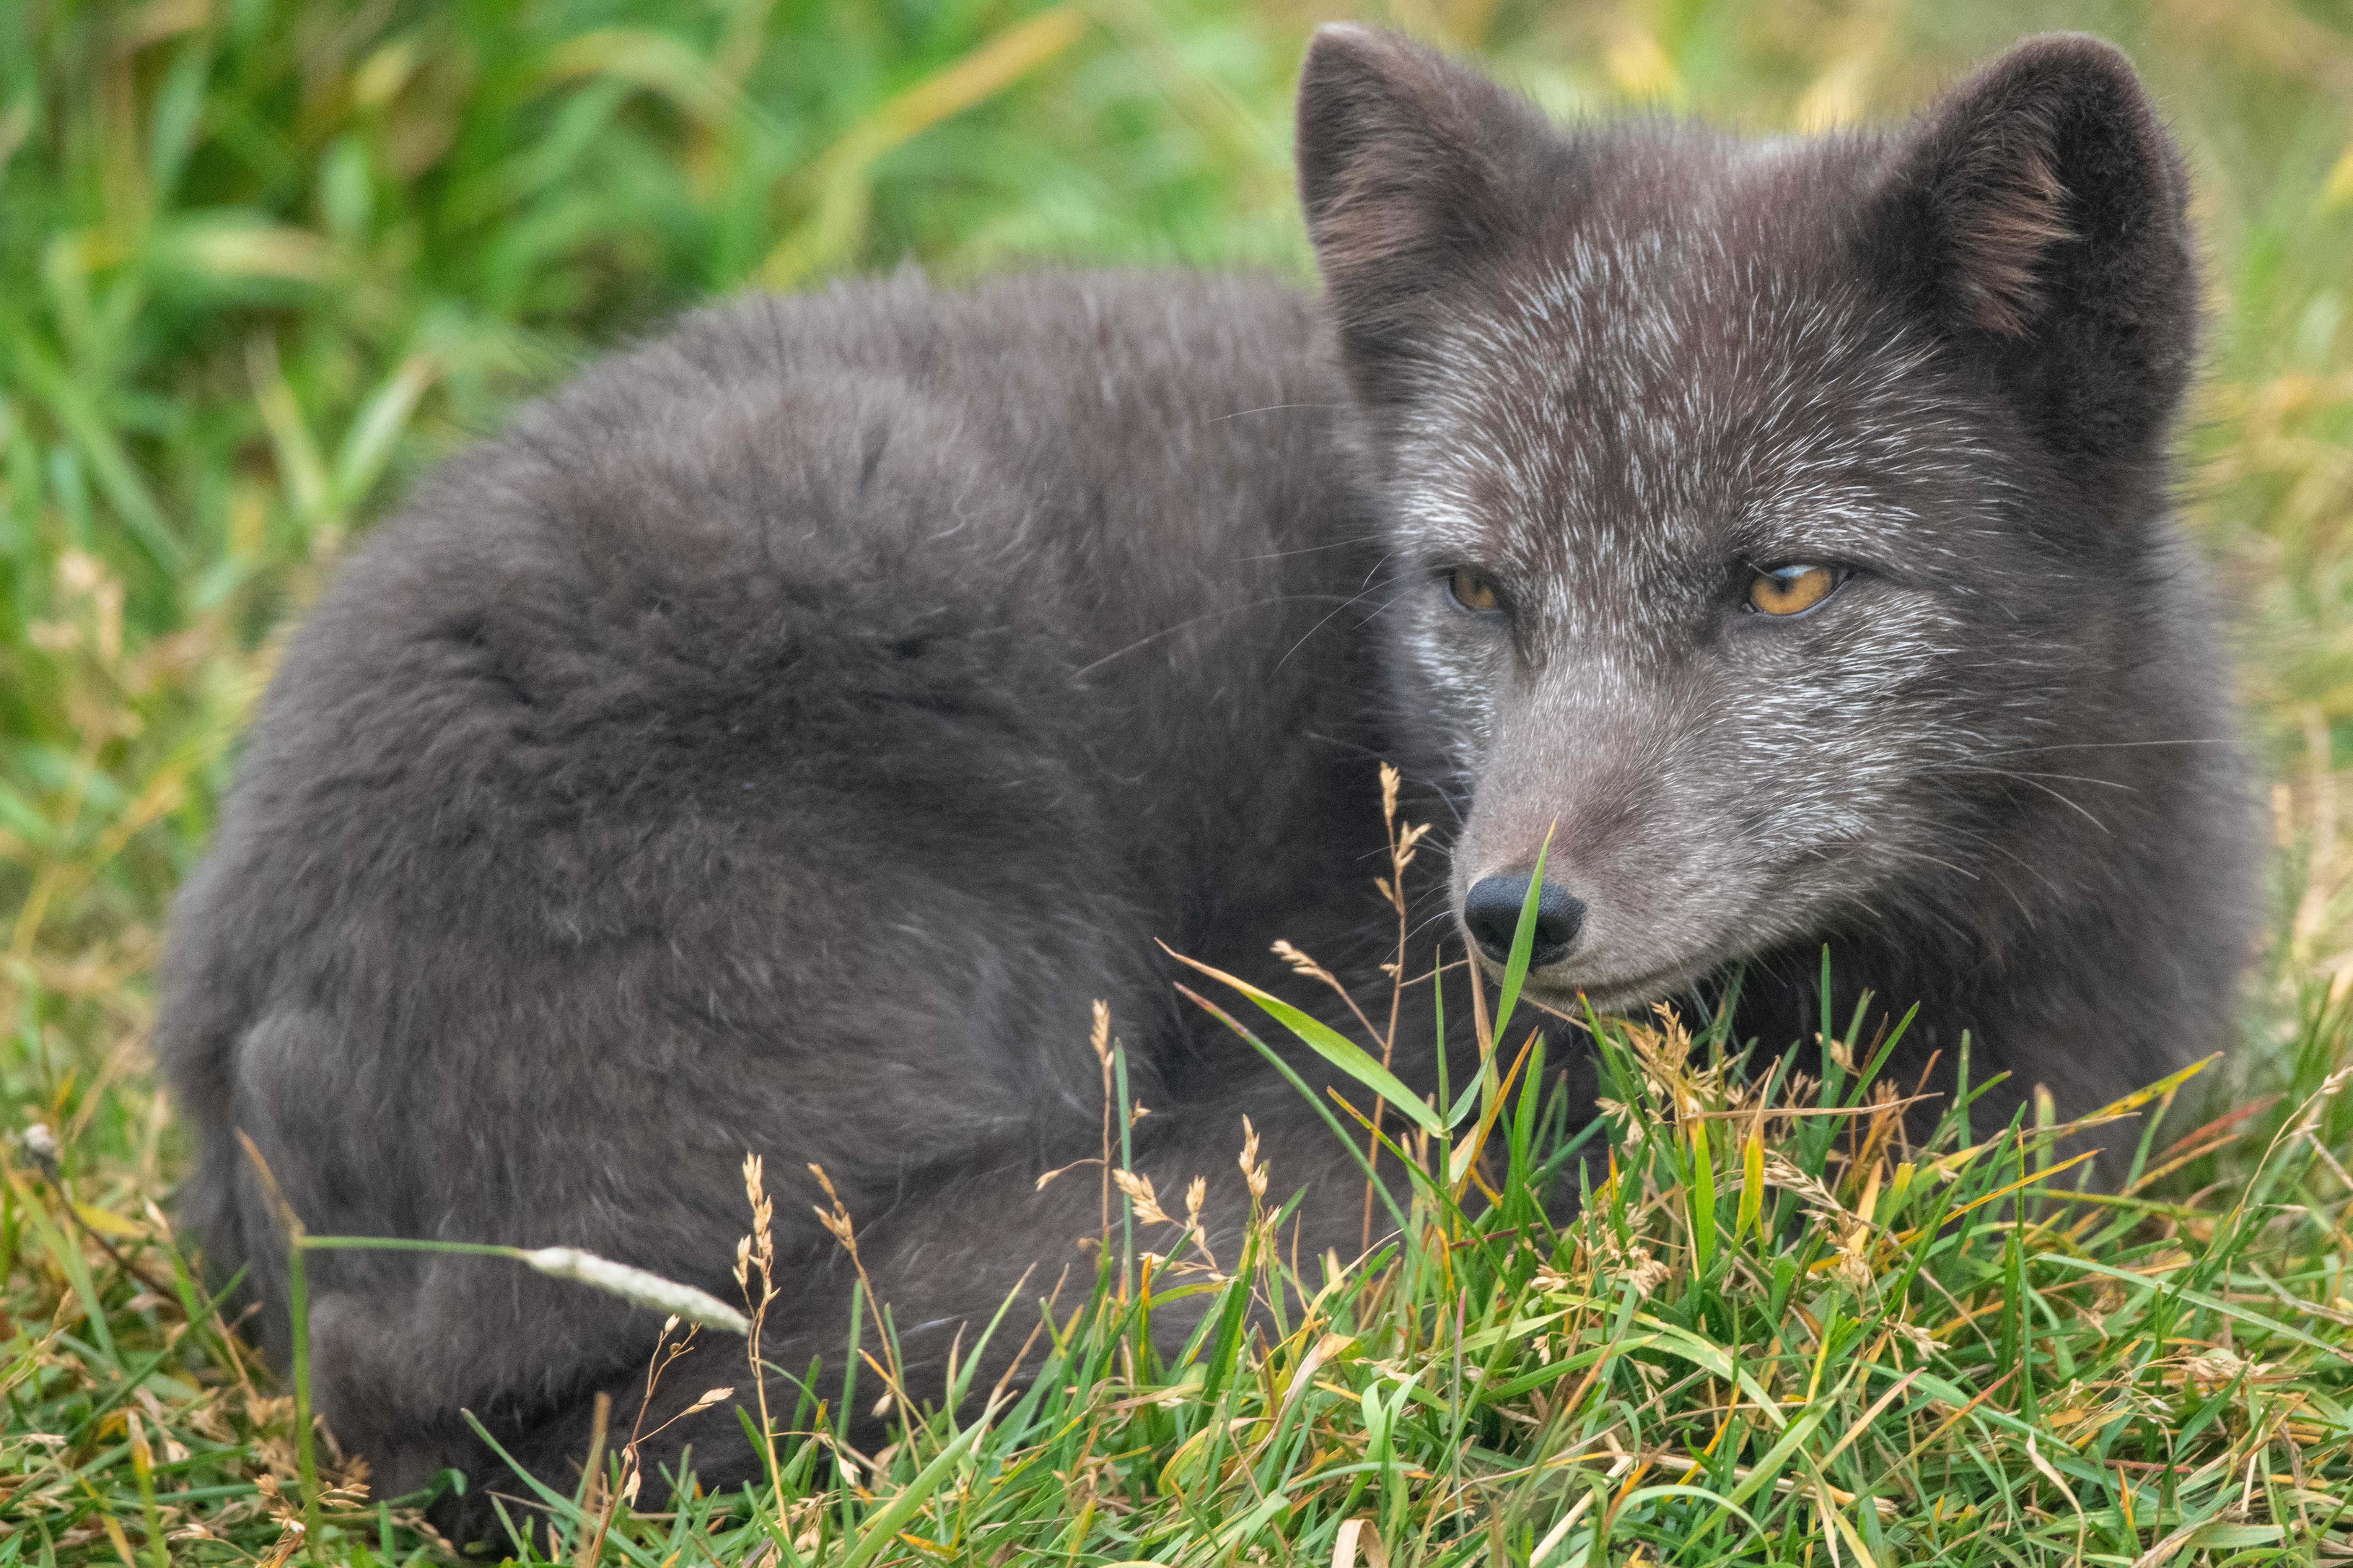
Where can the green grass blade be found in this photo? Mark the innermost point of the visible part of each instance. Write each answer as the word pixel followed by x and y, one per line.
pixel 1333 1047
pixel 1524 938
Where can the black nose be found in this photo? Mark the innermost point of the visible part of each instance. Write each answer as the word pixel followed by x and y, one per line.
pixel 1492 912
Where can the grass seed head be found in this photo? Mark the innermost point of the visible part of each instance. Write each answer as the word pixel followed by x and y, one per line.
pixel 1837 1050
pixel 1303 964
pixel 1139 1193
pixel 1780 1173
pixel 764 1213
pixel 1918 1337
pixel 1412 835
pixel 835 1220
pixel 1642 1271
pixel 1632 1128
pixel 1854 1266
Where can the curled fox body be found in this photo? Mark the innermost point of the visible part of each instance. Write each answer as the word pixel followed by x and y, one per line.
pixel 780 738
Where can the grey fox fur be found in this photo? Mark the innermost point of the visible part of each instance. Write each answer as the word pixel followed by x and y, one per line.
pixel 779 738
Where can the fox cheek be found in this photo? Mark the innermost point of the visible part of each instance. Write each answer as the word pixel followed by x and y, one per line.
pixel 1459 673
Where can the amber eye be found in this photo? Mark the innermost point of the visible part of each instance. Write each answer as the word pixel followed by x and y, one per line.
pixel 1791 590
pixel 1472 591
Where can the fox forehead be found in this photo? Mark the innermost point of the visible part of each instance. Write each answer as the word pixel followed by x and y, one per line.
pixel 1692 386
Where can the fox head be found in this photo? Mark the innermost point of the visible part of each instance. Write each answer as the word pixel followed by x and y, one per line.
pixel 1777 527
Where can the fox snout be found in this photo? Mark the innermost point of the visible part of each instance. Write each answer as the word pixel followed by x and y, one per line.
pixel 1491 913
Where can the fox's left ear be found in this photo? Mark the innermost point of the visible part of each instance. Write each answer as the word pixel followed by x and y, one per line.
pixel 2037 214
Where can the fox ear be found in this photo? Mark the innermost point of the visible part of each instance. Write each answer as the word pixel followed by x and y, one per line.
pixel 2037 211
pixel 1405 160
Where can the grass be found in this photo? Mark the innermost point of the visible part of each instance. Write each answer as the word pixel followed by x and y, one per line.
pixel 261 262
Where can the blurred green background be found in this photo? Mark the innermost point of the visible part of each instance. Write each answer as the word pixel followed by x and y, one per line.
pixel 263 261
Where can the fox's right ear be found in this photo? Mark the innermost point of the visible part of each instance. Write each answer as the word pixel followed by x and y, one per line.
pixel 1406 163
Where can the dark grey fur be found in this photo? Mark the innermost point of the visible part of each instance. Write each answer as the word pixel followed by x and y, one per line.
pixel 779 738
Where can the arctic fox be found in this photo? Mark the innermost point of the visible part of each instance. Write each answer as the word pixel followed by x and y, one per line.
pixel 781 738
